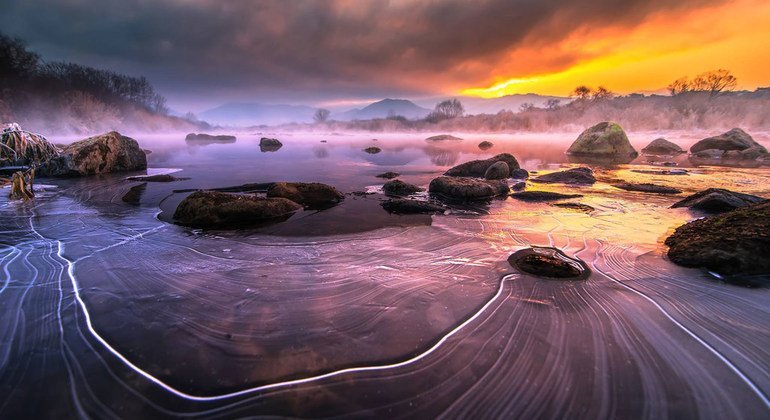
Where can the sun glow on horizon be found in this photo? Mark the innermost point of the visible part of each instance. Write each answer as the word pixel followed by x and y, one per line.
pixel 648 57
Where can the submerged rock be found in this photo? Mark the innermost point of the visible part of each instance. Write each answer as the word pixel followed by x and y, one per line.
pixel 267 144
pixel 388 175
pixel 585 208
pixel 441 137
pixel 718 200
pixel 156 178
pixel 406 206
pixel 549 262
pixel 732 148
pixel 102 154
pixel 372 150
pixel 134 194
pixel 498 170
pixel 604 142
pixel 580 176
pixel 662 147
pixel 209 137
pixel 486 145
pixel 312 195
pixel 647 188
pixel 466 188
pixel 538 196
pixel 477 168
pixel 520 173
pixel 400 188
pixel 732 243
pixel 212 209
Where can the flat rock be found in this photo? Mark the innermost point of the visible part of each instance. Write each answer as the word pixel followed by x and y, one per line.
pixel 732 243
pixel 647 188
pixel 372 150
pixel 209 137
pixel 578 176
pixel 406 206
pixel 212 209
pixel 662 147
pixel 102 154
pixel 585 208
pixel 550 263
pixel 718 200
pixel 467 188
pixel 540 196
pixel 388 175
pixel 604 142
pixel 477 168
pixel 400 188
pixel 312 195
pixel 156 178
pixel 442 137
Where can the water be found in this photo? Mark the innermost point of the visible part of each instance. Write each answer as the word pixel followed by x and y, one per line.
pixel 110 311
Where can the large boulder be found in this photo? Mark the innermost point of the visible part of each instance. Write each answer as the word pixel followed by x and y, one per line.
pixel 467 189
pixel 718 200
pixel 312 195
pixel 102 154
pixel 579 176
pixel 477 168
pixel 733 148
pixel 212 209
pixel 732 243
pixel 400 188
pixel 604 142
pixel 550 263
pixel 662 147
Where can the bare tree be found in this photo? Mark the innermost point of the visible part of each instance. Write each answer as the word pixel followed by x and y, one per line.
pixel 679 86
pixel 581 92
pixel 445 110
pixel 553 104
pixel 321 115
pixel 602 93
pixel 715 81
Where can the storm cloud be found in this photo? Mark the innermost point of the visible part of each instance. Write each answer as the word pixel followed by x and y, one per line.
pixel 297 50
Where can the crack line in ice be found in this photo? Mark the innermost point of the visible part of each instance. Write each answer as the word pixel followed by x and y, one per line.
pixel 283 384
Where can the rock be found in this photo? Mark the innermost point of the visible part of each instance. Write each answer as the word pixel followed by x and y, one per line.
pixel 604 142
pixel 717 200
pixel 647 188
pixel 442 137
pixel 538 196
pixel 405 206
pixel 663 147
pixel 733 148
pixel 735 139
pixel 579 176
pixel 661 172
pixel 211 209
pixel 519 186
pixel 486 145
pixel 209 137
pixel 400 188
pixel 134 194
pixel 549 262
pixel 269 145
pixel 156 178
pixel 585 208
pixel 519 173
pixel 312 195
pixel 372 150
pixel 477 168
pixel 102 154
pixel 732 243
pixel 466 188
pixel 498 170
pixel 388 175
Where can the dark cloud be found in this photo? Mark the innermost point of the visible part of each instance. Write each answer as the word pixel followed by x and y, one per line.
pixel 309 50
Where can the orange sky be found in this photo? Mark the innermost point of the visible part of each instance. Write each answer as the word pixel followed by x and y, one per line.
pixel 735 36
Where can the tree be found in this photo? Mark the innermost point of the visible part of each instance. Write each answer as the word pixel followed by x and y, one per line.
pixel 15 61
pixel 679 86
pixel 581 92
pixel 552 104
pixel 527 106
pixel 715 81
pixel 321 115
pixel 445 110
pixel 602 93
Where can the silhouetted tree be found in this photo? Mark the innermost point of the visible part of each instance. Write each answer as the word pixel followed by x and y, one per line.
pixel 445 110
pixel 602 93
pixel 553 104
pixel 581 92
pixel 714 82
pixel 321 115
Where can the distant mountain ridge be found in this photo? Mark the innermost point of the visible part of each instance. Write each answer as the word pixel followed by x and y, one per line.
pixel 255 113
pixel 383 109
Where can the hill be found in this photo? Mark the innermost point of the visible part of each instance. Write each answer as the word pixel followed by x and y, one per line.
pixel 254 113
pixel 383 109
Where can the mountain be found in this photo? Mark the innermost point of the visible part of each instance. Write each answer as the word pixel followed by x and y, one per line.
pixel 252 113
pixel 383 109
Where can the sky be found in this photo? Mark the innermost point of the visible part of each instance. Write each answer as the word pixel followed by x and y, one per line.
pixel 201 53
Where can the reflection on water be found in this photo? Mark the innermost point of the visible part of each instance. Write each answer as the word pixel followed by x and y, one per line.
pixel 108 311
